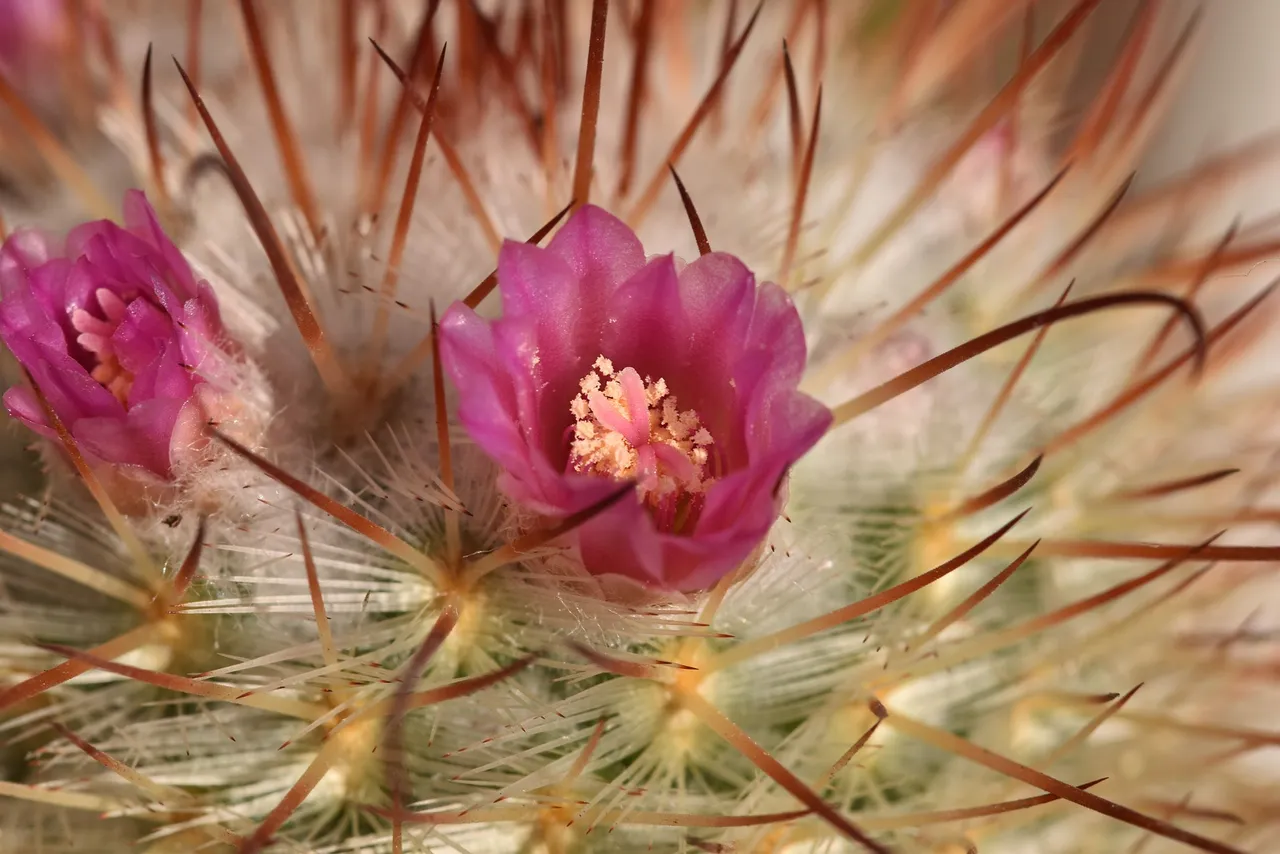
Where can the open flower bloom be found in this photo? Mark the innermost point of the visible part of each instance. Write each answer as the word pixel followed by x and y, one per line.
pixel 608 368
pixel 119 337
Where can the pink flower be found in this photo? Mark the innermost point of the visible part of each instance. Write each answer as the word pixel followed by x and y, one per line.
pixel 606 367
pixel 118 335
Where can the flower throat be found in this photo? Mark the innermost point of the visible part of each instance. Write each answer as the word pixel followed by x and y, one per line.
pixel 628 428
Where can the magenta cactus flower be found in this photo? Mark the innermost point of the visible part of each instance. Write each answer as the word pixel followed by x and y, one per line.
pixel 118 335
pixel 607 368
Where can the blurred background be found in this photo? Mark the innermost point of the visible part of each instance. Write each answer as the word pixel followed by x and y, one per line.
pixel 1229 96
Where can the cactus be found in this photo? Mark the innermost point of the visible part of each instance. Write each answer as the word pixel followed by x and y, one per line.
pixel 952 543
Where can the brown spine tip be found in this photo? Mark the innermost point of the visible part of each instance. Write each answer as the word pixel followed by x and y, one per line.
pixel 695 221
pixel 802 192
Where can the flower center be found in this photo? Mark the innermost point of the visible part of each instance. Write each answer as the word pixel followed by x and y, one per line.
pixel 627 428
pixel 96 337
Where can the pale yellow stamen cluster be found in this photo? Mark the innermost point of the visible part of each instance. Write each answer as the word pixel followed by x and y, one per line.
pixel 600 449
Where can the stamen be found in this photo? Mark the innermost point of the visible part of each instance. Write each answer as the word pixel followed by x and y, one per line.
pixel 626 428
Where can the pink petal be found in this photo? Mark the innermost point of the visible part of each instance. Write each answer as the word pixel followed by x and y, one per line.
pixel 644 311
pixel 602 252
pixel 65 384
pixel 22 405
pixel 25 250
pixel 622 540
pixel 141 439
pixel 486 362
pixel 141 220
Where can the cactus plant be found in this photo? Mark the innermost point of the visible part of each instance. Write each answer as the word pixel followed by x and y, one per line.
pixel 573 426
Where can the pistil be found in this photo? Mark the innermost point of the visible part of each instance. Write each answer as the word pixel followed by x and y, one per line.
pixel 629 428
